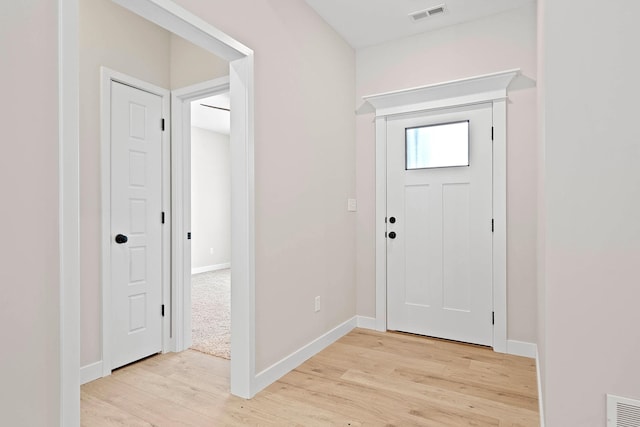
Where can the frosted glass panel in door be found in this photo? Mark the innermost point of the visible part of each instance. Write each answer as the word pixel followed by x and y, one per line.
pixel 437 146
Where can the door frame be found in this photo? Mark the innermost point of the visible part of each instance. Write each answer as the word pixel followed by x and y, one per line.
pixel 185 24
pixel 181 206
pixel 107 76
pixel 488 88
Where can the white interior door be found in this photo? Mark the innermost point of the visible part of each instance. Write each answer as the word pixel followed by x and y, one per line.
pixel 439 207
pixel 136 233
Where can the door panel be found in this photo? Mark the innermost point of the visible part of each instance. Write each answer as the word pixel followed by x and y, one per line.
pixel 455 247
pixel 416 219
pixel 439 266
pixel 136 197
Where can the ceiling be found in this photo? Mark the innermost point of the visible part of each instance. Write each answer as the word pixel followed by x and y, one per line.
pixel 211 118
pixel 365 23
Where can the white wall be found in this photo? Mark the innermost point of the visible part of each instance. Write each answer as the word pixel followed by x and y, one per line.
pixel 592 204
pixel 496 43
pixel 304 157
pixel 210 198
pixel 29 255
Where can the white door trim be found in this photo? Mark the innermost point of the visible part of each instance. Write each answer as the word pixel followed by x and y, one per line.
pixel 106 77
pixel 192 28
pixel 481 89
pixel 181 202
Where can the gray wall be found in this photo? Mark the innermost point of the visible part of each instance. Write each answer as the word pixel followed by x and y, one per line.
pixel 304 163
pixel 29 255
pixel 210 199
pixel 592 207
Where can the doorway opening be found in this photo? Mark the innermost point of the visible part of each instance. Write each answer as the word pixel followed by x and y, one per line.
pixel 489 88
pixel 211 225
pixel 180 22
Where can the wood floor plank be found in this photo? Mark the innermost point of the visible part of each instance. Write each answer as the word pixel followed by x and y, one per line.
pixel 465 406
pixel 98 413
pixel 366 378
pixel 372 404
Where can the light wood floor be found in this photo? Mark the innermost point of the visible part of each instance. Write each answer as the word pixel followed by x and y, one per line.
pixel 366 378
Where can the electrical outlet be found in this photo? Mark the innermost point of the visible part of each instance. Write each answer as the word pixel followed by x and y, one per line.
pixel 352 205
pixel 317 303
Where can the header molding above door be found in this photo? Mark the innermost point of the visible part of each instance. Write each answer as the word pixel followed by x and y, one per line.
pixel 473 90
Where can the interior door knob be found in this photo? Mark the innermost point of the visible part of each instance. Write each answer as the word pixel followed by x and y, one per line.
pixel 392 235
pixel 392 220
pixel 121 238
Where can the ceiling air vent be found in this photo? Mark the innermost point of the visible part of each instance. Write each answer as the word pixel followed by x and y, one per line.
pixel 438 10
pixel 432 11
pixel 622 412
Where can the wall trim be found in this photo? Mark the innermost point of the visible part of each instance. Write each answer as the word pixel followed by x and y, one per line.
pixel 521 348
pixel 279 369
pixel 91 372
pixel 540 397
pixel 467 91
pixel 365 322
pixel 181 203
pixel 207 268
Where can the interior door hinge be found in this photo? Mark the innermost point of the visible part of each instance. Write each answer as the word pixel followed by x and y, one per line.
pixel 189 235
pixel 492 225
pixel 162 124
pixel 491 132
pixel 162 310
pixel 493 317
pixel 162 217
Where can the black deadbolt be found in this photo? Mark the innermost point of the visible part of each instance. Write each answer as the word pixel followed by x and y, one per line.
pixel 121 238
pixel 392 235
pixel 392 220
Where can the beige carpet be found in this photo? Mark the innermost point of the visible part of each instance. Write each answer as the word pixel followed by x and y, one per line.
pixel 211 312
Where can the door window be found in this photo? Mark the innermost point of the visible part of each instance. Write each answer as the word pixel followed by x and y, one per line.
pixel 437 146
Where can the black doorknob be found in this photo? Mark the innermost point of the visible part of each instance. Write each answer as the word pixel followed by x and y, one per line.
pixel 121 238
pixel 392 235
pixel 392 220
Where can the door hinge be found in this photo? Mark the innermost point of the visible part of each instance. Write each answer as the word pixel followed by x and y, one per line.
pixel 162 124
pixel 189 235
pixel 493 317
pixel 492 225
pixel 162 310
pixel 491 133
pixel 162 218
pixel 385 219
pixel 385 234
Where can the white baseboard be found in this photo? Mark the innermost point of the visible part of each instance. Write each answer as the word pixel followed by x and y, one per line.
pixel 207 268
pixel 540 399
pixel 91 372
pixel 366 322
pixel 295 359
pixel 521 348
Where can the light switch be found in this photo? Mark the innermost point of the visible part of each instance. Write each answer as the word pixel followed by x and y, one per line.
pixel 352 205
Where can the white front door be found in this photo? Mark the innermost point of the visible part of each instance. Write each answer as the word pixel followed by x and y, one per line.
pixel 439 224
pixel 136 233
